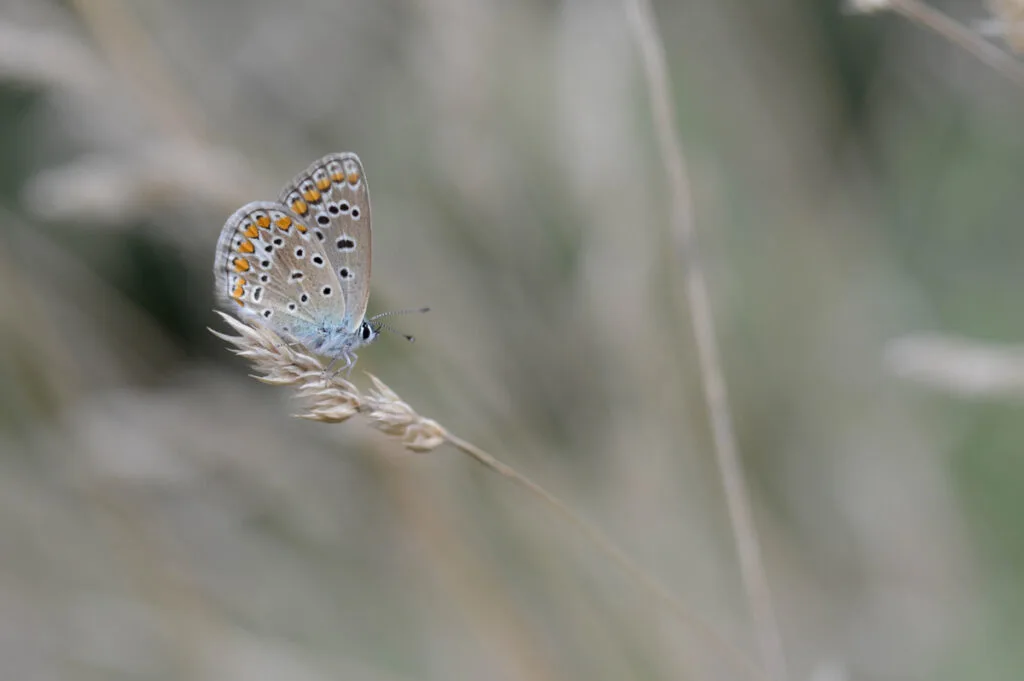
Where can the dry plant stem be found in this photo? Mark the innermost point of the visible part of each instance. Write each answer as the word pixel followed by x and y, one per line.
pixel 684 236
pixel 960 35
pixel 605 545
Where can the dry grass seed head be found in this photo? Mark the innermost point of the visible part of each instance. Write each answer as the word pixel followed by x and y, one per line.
pixel 329 398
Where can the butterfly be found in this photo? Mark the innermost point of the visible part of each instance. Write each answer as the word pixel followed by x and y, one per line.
pixel 301 265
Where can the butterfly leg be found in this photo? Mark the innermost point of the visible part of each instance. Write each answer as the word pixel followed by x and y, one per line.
pixel 327 374
pixel 350 362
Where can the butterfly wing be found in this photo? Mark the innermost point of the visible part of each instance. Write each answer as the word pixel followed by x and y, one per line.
pixel 331 196
pixel 271 266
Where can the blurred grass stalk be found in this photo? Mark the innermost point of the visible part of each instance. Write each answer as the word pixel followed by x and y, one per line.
pixel 687 251
pixel 1008 19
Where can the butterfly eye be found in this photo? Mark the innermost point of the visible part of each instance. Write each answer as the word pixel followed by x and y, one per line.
pixel 367 332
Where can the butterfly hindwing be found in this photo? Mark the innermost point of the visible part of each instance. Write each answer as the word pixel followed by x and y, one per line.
pixel 332 198
pixel 270 265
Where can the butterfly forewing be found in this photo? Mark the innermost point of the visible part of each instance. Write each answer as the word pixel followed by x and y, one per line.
pixel 331 197
pixel 270 265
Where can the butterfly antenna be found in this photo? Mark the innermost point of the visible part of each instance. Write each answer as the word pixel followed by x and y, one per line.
pixel 382 325
pixel 394 312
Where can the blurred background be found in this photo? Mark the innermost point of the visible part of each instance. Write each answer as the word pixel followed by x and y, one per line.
pixel 856 179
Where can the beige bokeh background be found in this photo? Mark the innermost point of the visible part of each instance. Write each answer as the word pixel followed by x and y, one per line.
pixel 162 516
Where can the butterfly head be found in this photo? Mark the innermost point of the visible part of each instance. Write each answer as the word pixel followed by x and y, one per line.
pixel 368 332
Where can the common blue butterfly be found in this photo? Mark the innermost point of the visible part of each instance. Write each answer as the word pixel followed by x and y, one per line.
pixel 301 265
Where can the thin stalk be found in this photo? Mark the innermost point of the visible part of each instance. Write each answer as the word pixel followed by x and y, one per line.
pixel 960 35
pixel 684 236
pixel 606 546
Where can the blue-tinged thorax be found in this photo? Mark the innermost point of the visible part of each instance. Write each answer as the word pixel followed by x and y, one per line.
pixel 333 340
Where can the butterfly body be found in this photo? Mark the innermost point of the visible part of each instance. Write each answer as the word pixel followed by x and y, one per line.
pixel 335 341
pixel 301 265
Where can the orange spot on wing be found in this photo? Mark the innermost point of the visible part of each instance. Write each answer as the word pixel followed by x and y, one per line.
pixel 251 231
pixel 240 303
pixel 301 227
pixel 300 207
pixel 353 178
pixel 284 223
pixel 263 221
pixel 338 176
pixel 246 247
pixel 239 291
pixel 241 265
pixel 323 184
pixel 311 195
